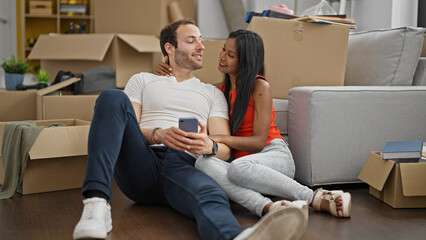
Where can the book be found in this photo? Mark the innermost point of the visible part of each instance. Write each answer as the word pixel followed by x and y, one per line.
pixel 327 19
pixel 403 150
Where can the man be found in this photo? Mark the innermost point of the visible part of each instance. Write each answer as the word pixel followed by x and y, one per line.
pixel 124 126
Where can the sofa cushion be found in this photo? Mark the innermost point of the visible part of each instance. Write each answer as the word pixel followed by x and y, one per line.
pixel 383 57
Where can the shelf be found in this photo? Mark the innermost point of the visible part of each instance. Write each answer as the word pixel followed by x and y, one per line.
pixel 31 15
pixel 33 25
pixel 83 17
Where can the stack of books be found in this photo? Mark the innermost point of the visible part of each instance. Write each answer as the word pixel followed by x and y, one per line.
pixel 73 7
pixel 327 19
pixel 403 151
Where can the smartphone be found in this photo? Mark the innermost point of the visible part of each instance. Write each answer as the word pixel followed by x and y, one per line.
pixel 188 124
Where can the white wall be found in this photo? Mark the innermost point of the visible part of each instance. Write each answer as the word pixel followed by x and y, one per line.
pixel 7 33
pixel 368 14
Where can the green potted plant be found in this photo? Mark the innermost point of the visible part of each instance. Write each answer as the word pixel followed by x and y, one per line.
pixel 43 77
pixel 14 69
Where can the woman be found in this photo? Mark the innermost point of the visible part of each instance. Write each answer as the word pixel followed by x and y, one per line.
pixel 262 162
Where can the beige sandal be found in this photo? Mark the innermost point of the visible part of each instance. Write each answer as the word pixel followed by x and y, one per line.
pixel 302 204
pixel 330 196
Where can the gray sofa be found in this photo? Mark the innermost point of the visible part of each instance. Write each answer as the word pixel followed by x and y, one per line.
pixel 331 130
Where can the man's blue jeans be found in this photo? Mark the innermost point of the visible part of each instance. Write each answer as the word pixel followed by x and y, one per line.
pixel 157 175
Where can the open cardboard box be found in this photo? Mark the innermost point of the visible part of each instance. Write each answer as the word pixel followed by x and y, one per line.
pixel 301 53
pixel 64 106
pixel 17 105
pixel 400 185
pixel 57 159
pixel 128 54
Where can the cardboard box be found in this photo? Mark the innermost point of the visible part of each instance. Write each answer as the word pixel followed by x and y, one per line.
pixel 209 73
pixel 57 159
pixel 40 7
pixel 64 106
pixel 423 53
pixel 17 105
pixel 126 53
pixel 301 54
pixel 137 16
pixel 400 185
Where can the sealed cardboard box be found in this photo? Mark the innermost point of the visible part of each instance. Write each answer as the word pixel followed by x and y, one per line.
pixel 400 185
pixel 138 16
pixel 126 53
pixel 63 105
pixel 301 54
pixel 17 105
pixel 209 73
pixel 57 159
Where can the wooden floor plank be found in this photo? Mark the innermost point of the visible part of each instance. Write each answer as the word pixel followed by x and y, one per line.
pixel 53 216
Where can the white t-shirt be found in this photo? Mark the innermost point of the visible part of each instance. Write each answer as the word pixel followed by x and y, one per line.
pixel 164 100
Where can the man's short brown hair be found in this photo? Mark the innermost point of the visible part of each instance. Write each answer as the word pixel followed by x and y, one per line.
pixel 168 34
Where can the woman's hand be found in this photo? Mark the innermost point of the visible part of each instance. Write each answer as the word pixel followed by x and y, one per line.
pixel 163 68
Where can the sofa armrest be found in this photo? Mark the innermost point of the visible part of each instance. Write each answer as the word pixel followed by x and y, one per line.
pixel 420 74
pixel 332 130
pixel 281 114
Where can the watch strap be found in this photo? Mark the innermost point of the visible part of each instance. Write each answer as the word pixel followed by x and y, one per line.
pixel 214 149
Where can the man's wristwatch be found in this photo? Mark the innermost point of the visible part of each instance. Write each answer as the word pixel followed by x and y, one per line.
pixel 214 149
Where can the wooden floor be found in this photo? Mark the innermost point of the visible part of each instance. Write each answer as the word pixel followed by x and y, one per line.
pixel 54 215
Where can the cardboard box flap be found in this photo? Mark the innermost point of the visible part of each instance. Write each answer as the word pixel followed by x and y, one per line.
pixel 141 43
pixel 61 142
pixel 376 170
pixel 72 47
pixel 44 91
pixel 413 179
pixel 57 86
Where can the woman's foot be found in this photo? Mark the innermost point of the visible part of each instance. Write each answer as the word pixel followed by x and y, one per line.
pixel 338 203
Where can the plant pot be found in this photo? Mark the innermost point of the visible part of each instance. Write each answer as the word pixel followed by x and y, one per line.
pixel 13 79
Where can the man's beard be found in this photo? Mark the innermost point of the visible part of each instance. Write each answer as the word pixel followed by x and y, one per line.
pixel 182 59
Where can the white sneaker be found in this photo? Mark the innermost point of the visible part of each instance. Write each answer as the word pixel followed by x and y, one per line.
pixel 95 221
pixel 284 224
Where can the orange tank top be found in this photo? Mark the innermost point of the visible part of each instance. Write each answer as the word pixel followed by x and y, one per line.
pixel 246 128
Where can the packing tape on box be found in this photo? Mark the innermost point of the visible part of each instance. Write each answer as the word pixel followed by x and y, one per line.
pixel 298 31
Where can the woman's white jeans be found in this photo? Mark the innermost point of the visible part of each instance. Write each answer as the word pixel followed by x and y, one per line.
pixel 245 179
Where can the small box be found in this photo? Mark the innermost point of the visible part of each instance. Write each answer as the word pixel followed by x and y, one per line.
pixel 40 7
pixel 400 185
pixel 57 159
